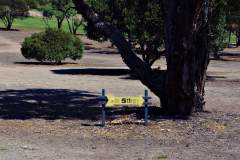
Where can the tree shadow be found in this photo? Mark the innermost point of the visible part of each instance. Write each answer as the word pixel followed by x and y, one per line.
pixel 53 104
pixel 227 56
pixel 45 63
pixel 215 78
pixel 94 71
pixel 126 73
pixel 230 54
pixel 231 58
pixel 105 52
pixel 4 29
pixel 48 104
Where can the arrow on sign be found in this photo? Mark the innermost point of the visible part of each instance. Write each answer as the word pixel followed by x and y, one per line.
pixel 124 101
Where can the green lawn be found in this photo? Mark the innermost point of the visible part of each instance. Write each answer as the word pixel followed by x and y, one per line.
pixel 233 39
pixel 36 23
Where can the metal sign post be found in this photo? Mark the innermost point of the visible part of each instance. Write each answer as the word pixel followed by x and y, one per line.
pixel 103 100
pixel 113 101
pixel 146 107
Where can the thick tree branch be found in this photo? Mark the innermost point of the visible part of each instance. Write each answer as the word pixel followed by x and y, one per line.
pixel 144 72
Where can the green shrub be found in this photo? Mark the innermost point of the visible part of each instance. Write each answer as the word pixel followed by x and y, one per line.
pixel 52 45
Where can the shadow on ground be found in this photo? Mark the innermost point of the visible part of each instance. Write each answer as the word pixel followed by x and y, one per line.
pixel 48 104
pixel 215 78
pixel 93 71
pixel 126 73
pixel 232 56
pixel 4 29
pixel 44 63
pixel 52 104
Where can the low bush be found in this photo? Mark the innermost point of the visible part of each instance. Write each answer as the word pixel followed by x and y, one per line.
pixel 52 45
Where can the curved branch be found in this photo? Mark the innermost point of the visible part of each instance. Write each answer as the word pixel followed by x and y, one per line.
pixel 144 72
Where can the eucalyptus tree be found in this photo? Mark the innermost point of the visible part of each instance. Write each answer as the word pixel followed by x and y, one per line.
pixel 180 87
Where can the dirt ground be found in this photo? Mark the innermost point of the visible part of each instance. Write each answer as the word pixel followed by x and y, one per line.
pixel 52 112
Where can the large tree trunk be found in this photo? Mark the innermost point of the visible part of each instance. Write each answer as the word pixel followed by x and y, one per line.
pixel 187 59
pixel 182 88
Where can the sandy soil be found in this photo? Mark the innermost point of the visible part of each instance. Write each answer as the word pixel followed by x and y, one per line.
pixel 52 113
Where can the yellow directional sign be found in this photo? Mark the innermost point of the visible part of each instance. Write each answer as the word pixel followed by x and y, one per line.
pixel 124 101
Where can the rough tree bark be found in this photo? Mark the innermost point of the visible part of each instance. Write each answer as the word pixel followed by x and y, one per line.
pixel 186 29
pixel 181 87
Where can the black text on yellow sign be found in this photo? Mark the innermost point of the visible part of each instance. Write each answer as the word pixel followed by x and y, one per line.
pixel 113 101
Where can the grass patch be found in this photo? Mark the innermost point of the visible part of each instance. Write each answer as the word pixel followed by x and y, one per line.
pixel 233 39
pixel 37 23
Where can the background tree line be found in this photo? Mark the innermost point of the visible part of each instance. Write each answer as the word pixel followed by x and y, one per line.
pixel 142 23
pixel 59 9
